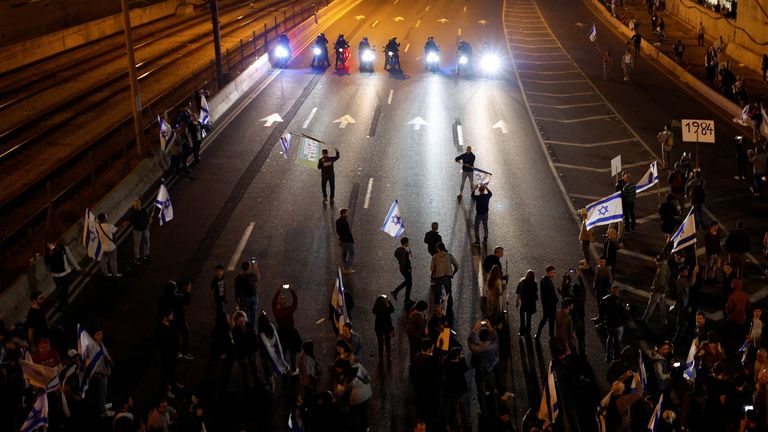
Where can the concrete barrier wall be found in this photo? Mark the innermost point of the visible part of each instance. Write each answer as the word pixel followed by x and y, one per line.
pixel 22 53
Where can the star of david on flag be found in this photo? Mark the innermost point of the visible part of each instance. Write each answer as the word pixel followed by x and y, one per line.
pixel 605 211
pixel 393 224
pixel 167 134
pixel 482 177
pixel 650 178
pixel 163 202
pixel 686 234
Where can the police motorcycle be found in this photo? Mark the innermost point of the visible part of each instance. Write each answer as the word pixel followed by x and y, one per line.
pixel 365 51
pixel 281 53
pixel 490 62
pixel 432 54
pixel 320 52
pixel 341 47
pixel 392 54
pixel 464 52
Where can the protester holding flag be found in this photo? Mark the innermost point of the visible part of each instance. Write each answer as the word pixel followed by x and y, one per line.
pixel 96 368
pixel 272 360
pixel 481 212
pixel 549 408
pixel 616 405
pixel 383 310
pixel 327 175
pixel 467 161
pixel 107 235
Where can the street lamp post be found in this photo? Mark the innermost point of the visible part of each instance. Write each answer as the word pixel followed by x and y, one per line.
pixel 216 41
pixel 135 95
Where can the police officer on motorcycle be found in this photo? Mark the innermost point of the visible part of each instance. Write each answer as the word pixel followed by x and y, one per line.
pixel 393 46
pixel 321 42
pixel 341 44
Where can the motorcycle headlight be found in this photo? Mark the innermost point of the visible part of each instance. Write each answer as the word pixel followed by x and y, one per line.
pixel 490 63
pixel 390 53
pixel 316 51
pixel 281 52
pixel 432 57
pixel 463 60
pixel 368 56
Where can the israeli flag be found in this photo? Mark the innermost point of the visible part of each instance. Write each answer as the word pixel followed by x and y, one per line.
pixel 690 363
pixel 205 113
pixel 38 375
pixel 549 408
pixel 593 33
pixel 643 374
pixel 285 143
pixel 274 352
pixel 163 202
pixel 650 178
pixel 38 417
pixel 482 177
pixel 686 234
pixel 602 410
pixel 393 224
pixel 91 238
pixel 90 353
pixel 338 311
pixel 167 134
pixel 605 211
pixel 655 421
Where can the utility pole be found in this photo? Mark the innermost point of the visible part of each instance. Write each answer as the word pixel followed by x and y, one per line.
pixel 216 41
pixel 135 95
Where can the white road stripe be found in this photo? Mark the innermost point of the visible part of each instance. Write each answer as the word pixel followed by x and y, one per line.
pixel 576 106
pixel 596 144
pixel 534 46
pixel 561 94
pixel 418 23
pixel 480 280
pixel 240 246
pixel 526 20
pixel 554 81
pixel 533 38
pixel 549 72
pixel 309 118
pixel 459 31
pixel 648 218
pixel 389 99
pixel 368 193
pixel 544 62
pixel 605 117
pixel 427 9
pixel 406 47
pixel 637 255
pixel 539 54
pixel 460 135
pixel 375 23
pixel 600 170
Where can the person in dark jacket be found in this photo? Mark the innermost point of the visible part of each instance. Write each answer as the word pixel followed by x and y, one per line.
pixel 432 238
pixel 222 348
pixel 548 302
pixel 283 311
pixel 628 194
pixel 737 245
pixel 482 201
pixel 467 161
pixel 383 310
pixel 611 248
pixel 612 311
pixel 244 346
pixel 527 294
pixel 167 342
pixel 60 262
pixel 177 300
pixel 668 212
pixel 139 219
pixel 425 377
pixel 247 290
pixel 403 256
pixel 456 388
pixel 327 175
pixel 347 241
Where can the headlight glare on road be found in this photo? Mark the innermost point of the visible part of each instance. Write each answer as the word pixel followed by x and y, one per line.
pixel 368 56
pixel 463 60
pixel 432 57
pixel 281 52
pixel 317 51
pixel 490 63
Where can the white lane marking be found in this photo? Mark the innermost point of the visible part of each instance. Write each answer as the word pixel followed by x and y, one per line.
pixel 599 170
pixel 561 94
pixel 427 9
pixel 534 46
pixel 309 118
pixel 648 218
pixel 240 246
pixel 344 121
pixel 533 38
pixel 406 47
pixel 417 122
pixel 575 106
pixel 375 23
pixel 554 81
pixel 597 144
pixel 480 281
pixel 604 117
pixel 389 99
pixel 526 20
pixel 543 62
pixel 549 72
pixel 465 8
pixel 368 193
pixel 638 255
pixel 418 23
pixel 460 135
pixel 398 19
pixel 459 31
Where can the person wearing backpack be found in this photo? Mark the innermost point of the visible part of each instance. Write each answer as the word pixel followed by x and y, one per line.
pixel 695 192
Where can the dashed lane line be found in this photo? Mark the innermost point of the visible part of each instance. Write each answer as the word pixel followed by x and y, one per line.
pixel 595 144
pixel 599 170
pixel 576 106
pixel 389 99
pixel 561 94
pixel 309 118
pixel 240 246
pixel 577 120
pixel 368 193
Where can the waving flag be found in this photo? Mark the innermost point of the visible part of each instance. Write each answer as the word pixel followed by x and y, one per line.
pixel 482 177
pixel 593 33
pixel 686 234
pixel 549 408
pixel 309 151
pixel 205 113
pixel 393 224
pixel 605 211
pixel 91 353
pixel 653 424
pixel 641 370
pixel 38 417
pixel 285 143
pixel 163 202
pixel 650 178
pixel 167 134
pixel 690 363
pixel 91 239
pixel 38 375
pixel 338 310
pixel 274 352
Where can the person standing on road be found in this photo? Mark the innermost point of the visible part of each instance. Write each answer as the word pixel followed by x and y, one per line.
pixel 432 238
pixel 247 290
pixel 346 240
pixel 443 267
pixel 627 63
pixel 695 190
pixel 527 294
pixel 139 219
pixel 494 290
pixel 585 238
pixel 107 235
pixel 416 326
pixel 668 213
pixel 467 161
pixel 403 255
pixel 272 360
pixel 548 302
pixel 659 288
pixel 636 41
pixel 612 315
pixel 245 345
pixel 667 140
pixel 60 262
pixel 383 310
pixel 603 278
pixel 737 245
pixel 683 285
pixel 679 49
pixel 607 64
pixel 167 342
pixel 283 311
pixel 327 175
pixel 481 212
pixel 628 195
pixel 757 159
pixel 565 338
pixel 218 291
pixel 484 344
pixel 611 249
pixel 713 250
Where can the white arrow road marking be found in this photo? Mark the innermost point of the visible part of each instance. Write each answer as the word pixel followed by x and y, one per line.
pixel 389 99
pixel 442 20
pixel 398 18
pixel 344 120
pixel 500 125
pixel 482 22
pixel 359 17
pixel 417 122
pixel 274 117
pixel 309 118
pixel 368 193
pixel 240 246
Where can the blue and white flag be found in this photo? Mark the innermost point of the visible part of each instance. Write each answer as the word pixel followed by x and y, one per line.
pixel 91 238
pixel 602 411
pixel 593 33
pixel 650 178
pixel 205 113
pixel 605 211
pixel 549 408
pixel 338 308
pixel 38 417
pixel 643 374
pixel 393 224
pixel 285 143
pixel 686 234
pixel 482 177
pixel 690 363
pixel 91 354
pixel 655 421
pixel 274 352
pixel 38 375
pixel 167 134
pixel 163 202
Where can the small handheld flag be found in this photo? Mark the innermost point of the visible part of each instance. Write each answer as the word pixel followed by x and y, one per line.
pixel 338 310
pixel 205 113
pixel 605 211
pixel 91 353
pixel 393 224
pixel 686 234
pixel 549 408
pixel 285 143
pixel 593 34
pixel 643 374
pixel 482 177
pixel 655 421
pixel 690 363
pixel 650 178
pixel 38 417
pixel 163 202
pixel 91 239
pixel 167 134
